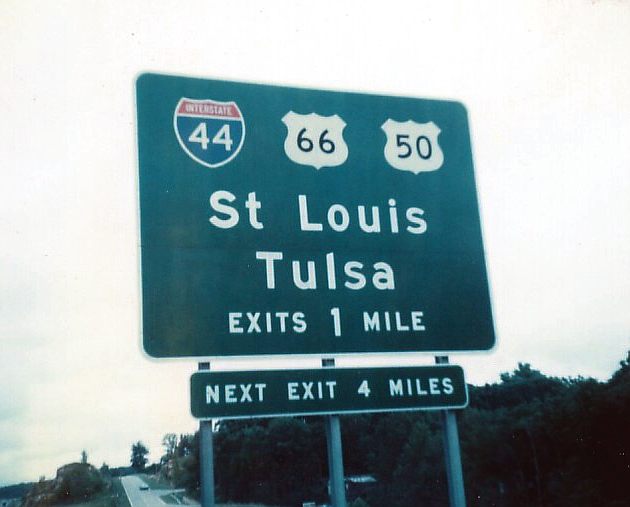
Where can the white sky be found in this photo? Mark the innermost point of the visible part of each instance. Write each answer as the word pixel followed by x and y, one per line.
pixel 547 86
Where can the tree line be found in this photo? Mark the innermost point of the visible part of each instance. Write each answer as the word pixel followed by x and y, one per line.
pixel 527 440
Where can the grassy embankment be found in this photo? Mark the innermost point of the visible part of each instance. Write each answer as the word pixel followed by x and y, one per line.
pixel 113 496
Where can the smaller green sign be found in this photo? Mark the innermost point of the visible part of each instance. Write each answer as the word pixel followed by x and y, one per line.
pixel 270 393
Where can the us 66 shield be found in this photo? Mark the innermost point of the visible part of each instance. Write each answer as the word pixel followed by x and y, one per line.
pixel 246 394
pixel 283 221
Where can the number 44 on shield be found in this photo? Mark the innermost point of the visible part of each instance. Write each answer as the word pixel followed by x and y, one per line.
pixel 209 131
pixel 200 135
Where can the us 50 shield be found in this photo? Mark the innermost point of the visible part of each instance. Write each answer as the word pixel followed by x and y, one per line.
pixel 413 146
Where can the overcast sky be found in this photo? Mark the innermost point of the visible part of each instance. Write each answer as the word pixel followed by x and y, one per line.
pixel 547 86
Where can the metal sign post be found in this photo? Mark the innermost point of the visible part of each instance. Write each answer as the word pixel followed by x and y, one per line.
pixel 335 461
pixel 332 424
pixel 452 455
pixel 206 457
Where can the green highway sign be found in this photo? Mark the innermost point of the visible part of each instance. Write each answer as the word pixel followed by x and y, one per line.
pixel 270 393
pixel 286 221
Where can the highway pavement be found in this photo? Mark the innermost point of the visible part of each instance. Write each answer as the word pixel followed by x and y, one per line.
pixel 143 497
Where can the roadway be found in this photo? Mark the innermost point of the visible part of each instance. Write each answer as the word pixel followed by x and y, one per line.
pixel 143 498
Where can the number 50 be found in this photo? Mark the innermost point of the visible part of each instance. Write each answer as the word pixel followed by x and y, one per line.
pixel 422 146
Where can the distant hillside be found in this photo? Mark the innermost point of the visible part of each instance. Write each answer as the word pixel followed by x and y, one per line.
pixel 15 490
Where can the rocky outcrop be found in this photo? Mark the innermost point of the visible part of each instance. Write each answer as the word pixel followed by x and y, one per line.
pixel 74 482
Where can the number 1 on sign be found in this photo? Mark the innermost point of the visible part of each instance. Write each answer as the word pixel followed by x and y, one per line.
pixel 336 315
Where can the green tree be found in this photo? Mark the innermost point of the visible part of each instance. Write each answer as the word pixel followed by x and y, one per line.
pixel 186 445
pixel 139 456
pixel 295 467
pixel 169 442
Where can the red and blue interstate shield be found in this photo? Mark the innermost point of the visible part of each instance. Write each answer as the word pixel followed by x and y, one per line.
pixel 209 131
